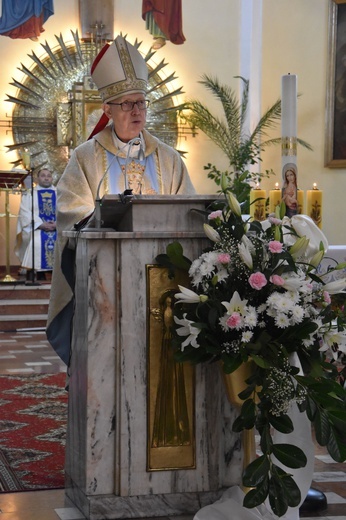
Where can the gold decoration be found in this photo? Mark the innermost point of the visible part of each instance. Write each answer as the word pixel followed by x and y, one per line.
pixel 289 146
pixel 171 385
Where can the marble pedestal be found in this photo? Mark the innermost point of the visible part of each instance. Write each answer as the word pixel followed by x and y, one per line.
pixel 106 453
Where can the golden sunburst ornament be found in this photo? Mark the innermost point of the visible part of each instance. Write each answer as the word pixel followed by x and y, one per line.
pixel 57 104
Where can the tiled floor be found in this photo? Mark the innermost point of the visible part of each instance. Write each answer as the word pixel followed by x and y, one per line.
pixel 29 352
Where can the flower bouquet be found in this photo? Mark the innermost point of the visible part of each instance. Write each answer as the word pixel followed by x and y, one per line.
pixel 259 295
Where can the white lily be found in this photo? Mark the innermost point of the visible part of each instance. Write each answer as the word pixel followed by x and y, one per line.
pixel 188 296
pixel 233 203
pixel 187 329
pixel 316 259
pixel 305 226
pixel 293 283
pixel 334 341
pixel 300 247
pixel 245 253
pixel 211 233
pixel 236 304
pixel 336 286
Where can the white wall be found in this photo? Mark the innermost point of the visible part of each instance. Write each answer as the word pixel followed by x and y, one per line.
pixel 295 35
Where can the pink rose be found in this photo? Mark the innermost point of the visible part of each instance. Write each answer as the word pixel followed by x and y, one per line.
pixel 234 320
pixel 276 279
pixel 223 258
pixel 275 246
pixel 215 214
pixel 257 281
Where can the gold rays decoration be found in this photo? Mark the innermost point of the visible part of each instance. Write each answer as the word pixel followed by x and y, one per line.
pixel 53 89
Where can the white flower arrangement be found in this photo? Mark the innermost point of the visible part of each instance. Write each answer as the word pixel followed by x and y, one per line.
pixel 257 295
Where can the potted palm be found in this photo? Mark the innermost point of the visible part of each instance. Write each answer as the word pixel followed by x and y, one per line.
pixel 243 149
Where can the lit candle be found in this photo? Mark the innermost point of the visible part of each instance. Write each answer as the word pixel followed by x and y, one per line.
pixel 314 205
pixel 300 199
pixel 26 159
pixel 257 203
pixel 274 198
pixel 289 142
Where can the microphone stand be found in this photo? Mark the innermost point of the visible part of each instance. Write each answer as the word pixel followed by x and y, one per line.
pixel 32 280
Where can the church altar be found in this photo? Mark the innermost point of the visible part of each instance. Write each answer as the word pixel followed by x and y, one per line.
pixel 124 459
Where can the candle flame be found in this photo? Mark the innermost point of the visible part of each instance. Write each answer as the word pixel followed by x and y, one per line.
pixel 276 185
pixel 314 186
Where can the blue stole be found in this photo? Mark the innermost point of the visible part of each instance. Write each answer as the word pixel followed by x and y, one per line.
pixel 47 209
pixel 141 175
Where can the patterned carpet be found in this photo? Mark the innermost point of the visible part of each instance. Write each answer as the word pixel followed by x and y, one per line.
pixel 33 416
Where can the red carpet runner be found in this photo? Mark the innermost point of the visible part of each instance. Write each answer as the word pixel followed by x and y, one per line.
pixel 33 417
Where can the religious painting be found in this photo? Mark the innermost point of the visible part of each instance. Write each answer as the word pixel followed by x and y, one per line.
pixel 335 139
pixel 171 385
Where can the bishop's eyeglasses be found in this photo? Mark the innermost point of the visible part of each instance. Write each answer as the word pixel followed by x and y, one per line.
pixel 127 106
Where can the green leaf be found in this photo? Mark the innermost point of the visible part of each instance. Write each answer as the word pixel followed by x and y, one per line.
pixel 174 251
pixel 290 488
pixel 282 424
pixel 277 498
pixel 289 455
pixel 266 442
pixel 336 447
pixel 338 418
pixel 256 496
pixel 322 427
pixel 255 472
pixel 260 361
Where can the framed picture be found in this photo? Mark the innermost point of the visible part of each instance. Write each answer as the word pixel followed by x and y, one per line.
pixel 335 139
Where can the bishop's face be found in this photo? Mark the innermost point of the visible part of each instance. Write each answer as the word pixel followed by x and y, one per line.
pixel 127 124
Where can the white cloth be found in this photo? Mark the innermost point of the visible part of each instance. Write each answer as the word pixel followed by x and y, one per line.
pixel 23 246
pixel 230 507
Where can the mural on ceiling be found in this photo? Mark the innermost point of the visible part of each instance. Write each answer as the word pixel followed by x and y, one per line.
pixel 57 104
pixel 26 22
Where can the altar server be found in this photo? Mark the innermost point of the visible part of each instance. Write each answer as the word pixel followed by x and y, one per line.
pixel 42 214
pixel 121 147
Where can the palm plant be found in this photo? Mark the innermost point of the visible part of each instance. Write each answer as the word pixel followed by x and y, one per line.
pixel 241 148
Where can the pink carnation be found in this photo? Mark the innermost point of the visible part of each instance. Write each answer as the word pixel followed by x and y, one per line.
pixel 277 280
pixel 215 214
pixel 223 258
pixel 234 320
pixel 274 220
pixel 326 297
pixel 257 281
pixel 275 246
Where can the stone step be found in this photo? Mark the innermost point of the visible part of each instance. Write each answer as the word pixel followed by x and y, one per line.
pixel 16 322
pixel 25 292
pixel 22 307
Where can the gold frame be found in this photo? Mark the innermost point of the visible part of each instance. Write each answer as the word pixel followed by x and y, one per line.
pixel 170 450
pixel 335 158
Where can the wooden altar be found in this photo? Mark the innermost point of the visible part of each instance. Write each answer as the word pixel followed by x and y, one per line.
pixel 109 471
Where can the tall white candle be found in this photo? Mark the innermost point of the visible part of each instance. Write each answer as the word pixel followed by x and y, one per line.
pixel 289 106
pixel 289 143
